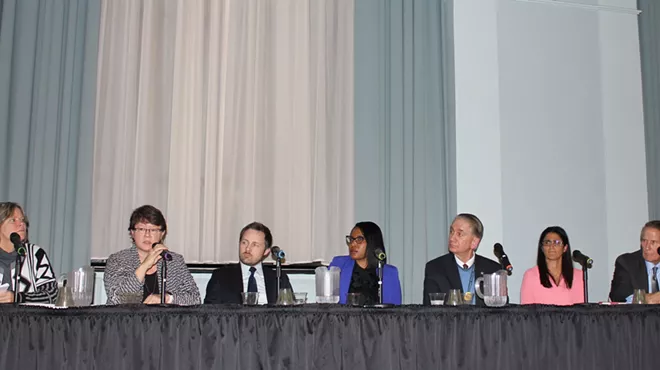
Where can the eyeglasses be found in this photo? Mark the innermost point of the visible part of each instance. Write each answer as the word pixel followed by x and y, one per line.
pixel 144 231
pixel 357 239
pixel 552 243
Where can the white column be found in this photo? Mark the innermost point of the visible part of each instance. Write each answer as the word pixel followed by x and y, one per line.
pixel 478 163
pixel 549 127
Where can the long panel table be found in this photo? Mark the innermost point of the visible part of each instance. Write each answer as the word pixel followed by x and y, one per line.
pixel 330 337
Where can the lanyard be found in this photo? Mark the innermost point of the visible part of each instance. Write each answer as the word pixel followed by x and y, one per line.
pixel 471 281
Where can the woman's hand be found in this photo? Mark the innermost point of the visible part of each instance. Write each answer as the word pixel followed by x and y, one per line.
pixel 149 262
pixel 7 296
pixel 155 299
pixel 153 257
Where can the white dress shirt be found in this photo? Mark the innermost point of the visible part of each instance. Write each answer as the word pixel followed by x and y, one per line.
pixel 469 263
pixel 259 276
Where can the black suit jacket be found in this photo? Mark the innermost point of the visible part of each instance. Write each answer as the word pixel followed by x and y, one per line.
pixel 629 274
pixel 441 275
pixel 226 285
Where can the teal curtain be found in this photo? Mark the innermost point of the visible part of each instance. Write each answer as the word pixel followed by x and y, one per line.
pixel 404 133
pixel 48 53
pixel 649 38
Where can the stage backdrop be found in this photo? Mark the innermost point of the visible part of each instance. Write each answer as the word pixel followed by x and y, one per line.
pixel 48 54
pixel 221 113
pixel 310 115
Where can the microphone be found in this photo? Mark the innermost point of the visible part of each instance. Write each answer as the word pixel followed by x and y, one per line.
pixel 583 260
pixel 380 254
pixel 277 252
pixel 165 254
pixel 18 246
pixel 658 250
pixel 504 260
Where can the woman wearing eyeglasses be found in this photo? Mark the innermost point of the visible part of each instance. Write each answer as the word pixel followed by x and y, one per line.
pixel 359 268
pixel 37 281
pixel 553 280
pixel 134 273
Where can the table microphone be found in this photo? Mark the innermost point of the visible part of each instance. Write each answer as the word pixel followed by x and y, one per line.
pixel 583 260
pixel 16 240
pixel 380 254
pixel 504 260
pixel 167 256
pixel 277 252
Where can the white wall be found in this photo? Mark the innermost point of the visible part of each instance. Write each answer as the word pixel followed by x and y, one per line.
pixel 549 127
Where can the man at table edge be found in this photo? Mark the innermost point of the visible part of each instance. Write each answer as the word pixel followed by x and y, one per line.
pixel 639 269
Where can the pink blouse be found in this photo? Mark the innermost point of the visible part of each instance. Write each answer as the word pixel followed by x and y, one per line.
pixel 533 292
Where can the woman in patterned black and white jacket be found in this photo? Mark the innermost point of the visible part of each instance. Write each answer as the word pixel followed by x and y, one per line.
pixel 37 281
pixel 136 272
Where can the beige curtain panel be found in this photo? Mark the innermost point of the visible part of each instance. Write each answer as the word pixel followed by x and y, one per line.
pixel 221 113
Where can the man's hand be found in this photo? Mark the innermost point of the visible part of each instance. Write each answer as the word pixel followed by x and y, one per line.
pixel 653 298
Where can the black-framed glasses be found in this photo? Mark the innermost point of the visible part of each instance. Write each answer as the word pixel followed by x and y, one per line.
pixel 357 239
pixel 144 230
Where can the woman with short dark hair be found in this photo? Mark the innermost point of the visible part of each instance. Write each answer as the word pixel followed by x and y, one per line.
pixel 135 271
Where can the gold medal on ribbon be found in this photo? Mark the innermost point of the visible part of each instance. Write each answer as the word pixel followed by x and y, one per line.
pixel 467 297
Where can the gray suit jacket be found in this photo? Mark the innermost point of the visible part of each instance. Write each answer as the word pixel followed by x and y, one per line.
pixel 120 279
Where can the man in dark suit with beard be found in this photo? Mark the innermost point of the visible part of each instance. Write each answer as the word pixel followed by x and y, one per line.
pixel 459 268
pixel 250 275
pixel 639 269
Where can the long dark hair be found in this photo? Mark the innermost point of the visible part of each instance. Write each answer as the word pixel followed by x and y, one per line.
pixel 374 238
pixel 566 262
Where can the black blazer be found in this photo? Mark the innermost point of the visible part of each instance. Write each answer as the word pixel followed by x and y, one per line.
pixel 226 285
pixel 441 275
pixel 629 274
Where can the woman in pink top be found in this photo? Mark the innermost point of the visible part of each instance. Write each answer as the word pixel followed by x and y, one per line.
pixel 553 280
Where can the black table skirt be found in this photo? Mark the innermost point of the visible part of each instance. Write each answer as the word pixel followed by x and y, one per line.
pixel 330 337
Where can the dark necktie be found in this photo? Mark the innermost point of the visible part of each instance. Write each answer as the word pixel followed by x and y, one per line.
pixel 465 266
pixel 252 282
pixel 654 280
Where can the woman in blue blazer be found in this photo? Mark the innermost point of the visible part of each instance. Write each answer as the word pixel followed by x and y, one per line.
pixel 359 269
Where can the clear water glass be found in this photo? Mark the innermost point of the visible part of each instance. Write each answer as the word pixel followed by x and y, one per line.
pixel 639 296
pixel 354 299
pixel 250 298
pixel 437 299
pixel 455 298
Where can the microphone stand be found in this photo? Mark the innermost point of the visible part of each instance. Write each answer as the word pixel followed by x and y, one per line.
pixel 380 282
pixel 16 277
pixel 380 303
pixel 278 268
pixel 585 278
pixel 163 282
